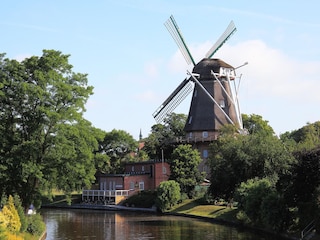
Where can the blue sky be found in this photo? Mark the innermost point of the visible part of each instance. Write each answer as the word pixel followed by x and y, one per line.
pixel 134 64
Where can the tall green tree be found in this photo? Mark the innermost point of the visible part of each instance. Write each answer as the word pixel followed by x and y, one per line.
pixel 184 168
pixel 305 138
pixel 118 145
pixel 255 124
pixel 164 137
pixel 42 127
pixel 236 158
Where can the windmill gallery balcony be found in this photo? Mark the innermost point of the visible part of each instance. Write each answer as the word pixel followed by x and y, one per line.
pixel 198 137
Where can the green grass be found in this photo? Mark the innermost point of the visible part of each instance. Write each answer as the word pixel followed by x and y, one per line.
pixel 194 208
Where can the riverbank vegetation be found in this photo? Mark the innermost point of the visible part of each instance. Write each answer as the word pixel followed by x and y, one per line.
pixel 16 224
pixel 46 144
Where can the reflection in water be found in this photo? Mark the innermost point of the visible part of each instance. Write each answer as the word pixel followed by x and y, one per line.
pixel 106 225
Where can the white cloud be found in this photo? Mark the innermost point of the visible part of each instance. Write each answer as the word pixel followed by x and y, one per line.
pixel 22 57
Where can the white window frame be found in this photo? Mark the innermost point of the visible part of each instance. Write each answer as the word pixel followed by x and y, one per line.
pixel 141 186
pixel 131 185
pixel 205 134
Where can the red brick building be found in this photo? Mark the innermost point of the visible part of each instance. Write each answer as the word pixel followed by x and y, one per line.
pixel 138 176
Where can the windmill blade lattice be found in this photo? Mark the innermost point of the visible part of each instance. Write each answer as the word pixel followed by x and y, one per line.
pixel 175 98
pixel 223 38
pixel 173 29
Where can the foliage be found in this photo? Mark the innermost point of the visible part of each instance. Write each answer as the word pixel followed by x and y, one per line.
pixel 262 205
pixel 144 199
pixel 168 194
pixel 301 186
pixel 184 168
pixel 237 158
pixel 21 213
pixel 3 225
pixel 36 226
pixel 45 143
pixel 256 125
pixel 117 145
pixel 305 138
pixel 164 136
pixel 11 216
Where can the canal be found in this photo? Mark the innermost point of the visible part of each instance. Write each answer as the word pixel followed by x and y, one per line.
pixel 108 225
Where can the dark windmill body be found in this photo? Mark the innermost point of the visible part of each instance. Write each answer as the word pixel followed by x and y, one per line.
pixel 214 100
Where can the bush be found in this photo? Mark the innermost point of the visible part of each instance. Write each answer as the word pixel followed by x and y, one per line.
pixel 2 227
pixel 168 194
pixel 20 210
pixel 36 226
pixel 11 216
pixel 144 199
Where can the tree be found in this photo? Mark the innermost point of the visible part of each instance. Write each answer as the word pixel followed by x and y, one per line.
pixel 305 138
pixel 164 137
pixel 11 216
pixel 21 213
pixel 168 194
pixel 256 125
pixel 262 204
pixel 118 145
pixel 301 186
pixel 43 131
pixel 237 158
pixel 184 168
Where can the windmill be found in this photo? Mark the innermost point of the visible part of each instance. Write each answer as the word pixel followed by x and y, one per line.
pixel 214 101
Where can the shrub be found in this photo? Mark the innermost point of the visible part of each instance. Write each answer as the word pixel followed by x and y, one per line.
pixel 168 194
pixel 2 227
pixel 11 216
pixel 36 226
pixel 20 210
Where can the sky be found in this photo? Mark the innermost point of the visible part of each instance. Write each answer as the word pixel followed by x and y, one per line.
pixel 134 64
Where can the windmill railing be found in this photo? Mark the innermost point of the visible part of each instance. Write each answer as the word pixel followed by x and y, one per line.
pixel 196 139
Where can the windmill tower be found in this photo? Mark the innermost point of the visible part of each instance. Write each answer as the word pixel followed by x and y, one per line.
pixel 214 101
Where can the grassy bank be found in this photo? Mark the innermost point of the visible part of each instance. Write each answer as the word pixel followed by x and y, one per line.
pixel 194 208
pixel 221 214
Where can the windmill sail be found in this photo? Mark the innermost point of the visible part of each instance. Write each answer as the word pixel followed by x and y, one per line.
pixel 223 38
pixel 176 97
pixel 173 29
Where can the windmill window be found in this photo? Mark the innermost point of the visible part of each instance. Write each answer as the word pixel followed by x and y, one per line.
pixel 204 134
pixel 190 135
pixel 190 120
pixel 195 93
pixel 132 169
pixel 222 104
pixel 205 153
pixel 142 168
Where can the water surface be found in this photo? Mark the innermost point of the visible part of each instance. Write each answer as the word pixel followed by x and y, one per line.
pixel 108 225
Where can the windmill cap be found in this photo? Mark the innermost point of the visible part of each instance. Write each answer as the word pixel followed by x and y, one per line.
pixel 206 65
